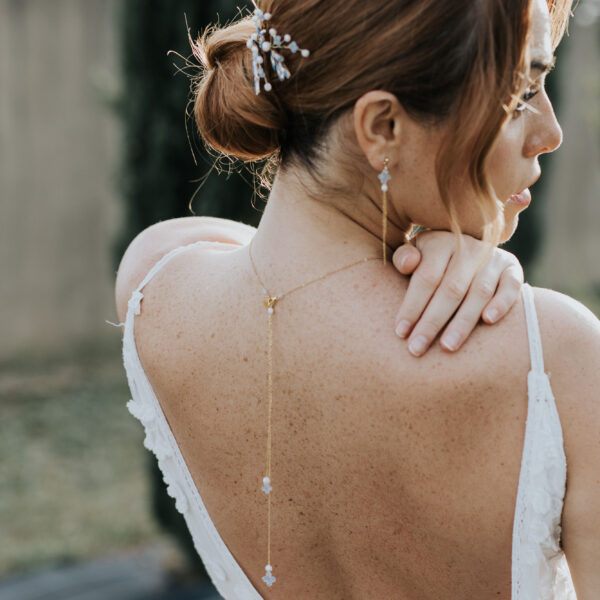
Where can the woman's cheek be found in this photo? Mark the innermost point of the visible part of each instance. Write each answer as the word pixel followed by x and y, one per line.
pixel 504 164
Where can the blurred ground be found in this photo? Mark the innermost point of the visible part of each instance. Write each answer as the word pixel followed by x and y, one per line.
pixel 73 473
pixel 132 576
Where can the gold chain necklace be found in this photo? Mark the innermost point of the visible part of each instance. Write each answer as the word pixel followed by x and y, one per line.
pixel 269 303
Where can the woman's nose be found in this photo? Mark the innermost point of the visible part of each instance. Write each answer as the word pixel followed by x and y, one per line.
pixel 545 134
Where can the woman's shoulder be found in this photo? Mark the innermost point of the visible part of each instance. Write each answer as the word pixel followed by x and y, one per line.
pixel 570 334
pixel 571 338
pixel 157 241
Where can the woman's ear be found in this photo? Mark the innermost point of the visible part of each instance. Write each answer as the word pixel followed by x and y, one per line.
pixel 378 118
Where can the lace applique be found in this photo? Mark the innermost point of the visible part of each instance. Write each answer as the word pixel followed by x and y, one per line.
pixel 181 501
pixel 539 567
pixel 540 499
pixel 156 442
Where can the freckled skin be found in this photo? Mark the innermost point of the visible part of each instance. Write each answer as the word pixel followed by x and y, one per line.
pixel 370 474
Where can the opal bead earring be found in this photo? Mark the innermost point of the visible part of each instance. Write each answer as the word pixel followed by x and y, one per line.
pixel 385 178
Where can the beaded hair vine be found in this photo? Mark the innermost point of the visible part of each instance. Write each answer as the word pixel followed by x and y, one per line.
pixel 270 42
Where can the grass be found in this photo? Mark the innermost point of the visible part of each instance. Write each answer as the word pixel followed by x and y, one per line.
pixel 73 470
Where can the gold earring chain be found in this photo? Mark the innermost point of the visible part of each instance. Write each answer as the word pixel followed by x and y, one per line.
pixel 385 178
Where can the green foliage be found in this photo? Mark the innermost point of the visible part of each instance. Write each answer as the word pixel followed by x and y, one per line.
pixel 72 468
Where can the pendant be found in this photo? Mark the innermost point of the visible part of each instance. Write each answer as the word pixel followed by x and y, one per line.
pixel 385 178
pixel 271 301
pixel 268 578
pixel 266 488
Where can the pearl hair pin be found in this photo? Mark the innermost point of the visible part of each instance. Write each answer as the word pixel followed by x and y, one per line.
pixel 270 42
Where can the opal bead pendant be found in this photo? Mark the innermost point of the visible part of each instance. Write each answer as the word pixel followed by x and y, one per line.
pixel 268 578
pixel 385 178
pixel 266 488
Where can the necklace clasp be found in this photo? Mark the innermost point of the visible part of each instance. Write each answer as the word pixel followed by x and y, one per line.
pixel 271 301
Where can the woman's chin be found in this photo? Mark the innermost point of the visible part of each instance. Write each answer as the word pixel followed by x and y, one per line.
pixel 510 226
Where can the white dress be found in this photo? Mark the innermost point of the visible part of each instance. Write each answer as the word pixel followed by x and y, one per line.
pixel 539 566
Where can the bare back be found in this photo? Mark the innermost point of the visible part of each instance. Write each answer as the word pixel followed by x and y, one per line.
pixel 396 477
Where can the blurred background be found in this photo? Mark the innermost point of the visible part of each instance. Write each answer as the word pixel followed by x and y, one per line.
pixel 95 146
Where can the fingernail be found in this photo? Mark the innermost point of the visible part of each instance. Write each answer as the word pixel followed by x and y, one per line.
pixel 403 329
pixel 418 345
pixel 451 341
pixel 492 315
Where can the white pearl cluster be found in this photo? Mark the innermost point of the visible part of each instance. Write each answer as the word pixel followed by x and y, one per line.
pixel 270 309
pixel 266 488
pixel 258 41
pixel 268 578
pixel 385 177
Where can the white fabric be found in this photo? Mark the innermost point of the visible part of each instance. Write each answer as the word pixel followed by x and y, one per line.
pixel 539 568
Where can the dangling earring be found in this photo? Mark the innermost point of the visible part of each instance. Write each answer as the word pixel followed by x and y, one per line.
pixel 385 177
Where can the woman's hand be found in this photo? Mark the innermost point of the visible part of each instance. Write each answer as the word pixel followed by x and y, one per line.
pixel 440 284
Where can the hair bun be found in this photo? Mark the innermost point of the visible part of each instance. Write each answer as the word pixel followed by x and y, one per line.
pixel 230 116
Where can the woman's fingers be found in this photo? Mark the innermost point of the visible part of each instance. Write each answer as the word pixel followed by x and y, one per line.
pixel 482 297
pixel 509 289
pixel 406 258
pixel 448 286
pixel 456 284
pixel 436 253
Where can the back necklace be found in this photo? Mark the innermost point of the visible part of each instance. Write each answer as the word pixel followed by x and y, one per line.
pixel 270 303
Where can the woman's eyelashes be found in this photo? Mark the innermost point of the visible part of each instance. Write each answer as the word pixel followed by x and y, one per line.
pixel 526 97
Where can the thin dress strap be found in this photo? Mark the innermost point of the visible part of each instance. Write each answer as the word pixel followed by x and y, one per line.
pixel 538 561
pixel 533 330
pixel 167 257
pixel 133 306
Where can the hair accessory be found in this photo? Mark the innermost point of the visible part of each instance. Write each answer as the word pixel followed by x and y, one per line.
pixel 270 42
pixel 385 178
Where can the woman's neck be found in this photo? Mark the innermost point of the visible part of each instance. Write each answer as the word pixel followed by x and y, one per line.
pixel 300 237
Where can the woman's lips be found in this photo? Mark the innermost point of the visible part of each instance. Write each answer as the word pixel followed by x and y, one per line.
pixel 522 199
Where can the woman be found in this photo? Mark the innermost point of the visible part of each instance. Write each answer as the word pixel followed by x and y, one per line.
pixel 273 389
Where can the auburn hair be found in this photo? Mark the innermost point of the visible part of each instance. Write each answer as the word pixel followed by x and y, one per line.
pixel 459 62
